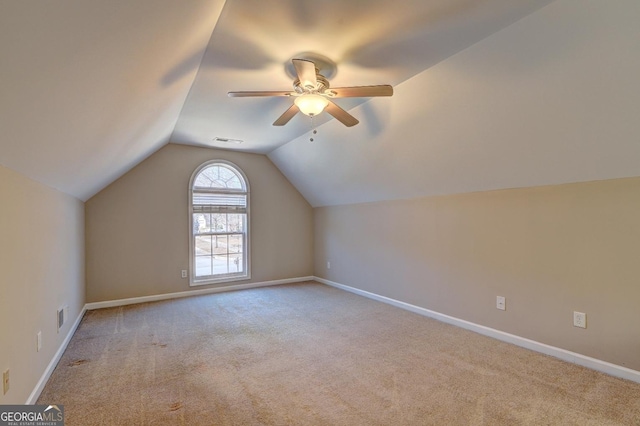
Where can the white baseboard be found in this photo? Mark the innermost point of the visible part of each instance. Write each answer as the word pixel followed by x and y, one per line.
pixel 220 289
pixel 563 354
pixel 35 394
pixel 576 358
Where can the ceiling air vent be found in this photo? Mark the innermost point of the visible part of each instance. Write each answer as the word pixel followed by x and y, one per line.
pixel 227 140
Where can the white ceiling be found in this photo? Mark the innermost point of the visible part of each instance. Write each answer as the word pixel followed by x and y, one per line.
pixel 92 87
pixel 87 89
pixel 372 42
pixel 552 99
pixel 488 93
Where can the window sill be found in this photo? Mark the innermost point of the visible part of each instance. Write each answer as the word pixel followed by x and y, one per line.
pixel 221 280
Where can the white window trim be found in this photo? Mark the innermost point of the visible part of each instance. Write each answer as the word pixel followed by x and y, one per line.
pixel 193 281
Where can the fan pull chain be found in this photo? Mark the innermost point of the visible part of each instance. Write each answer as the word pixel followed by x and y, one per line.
pixel 314 131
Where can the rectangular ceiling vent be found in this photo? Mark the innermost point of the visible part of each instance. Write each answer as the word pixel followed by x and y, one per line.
pixel 227 140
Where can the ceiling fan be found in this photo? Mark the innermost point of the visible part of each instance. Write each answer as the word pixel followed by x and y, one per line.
pixel 312 93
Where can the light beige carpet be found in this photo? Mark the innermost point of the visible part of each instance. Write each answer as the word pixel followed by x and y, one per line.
pixel 308 354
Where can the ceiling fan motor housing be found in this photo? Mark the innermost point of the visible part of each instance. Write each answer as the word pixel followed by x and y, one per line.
pixel 322 84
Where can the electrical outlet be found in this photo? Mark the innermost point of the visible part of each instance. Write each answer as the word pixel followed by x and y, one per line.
pixel 183 273
pixel 39 341
pixel 501 303
pixel 328 265
pixel 579 319
pixel 5 382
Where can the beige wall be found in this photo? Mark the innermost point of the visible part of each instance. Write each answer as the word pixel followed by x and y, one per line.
pixel 549 250
pixel 137 228
pixel 41 270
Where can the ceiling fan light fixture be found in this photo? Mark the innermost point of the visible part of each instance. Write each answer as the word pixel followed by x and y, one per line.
pixel 311 104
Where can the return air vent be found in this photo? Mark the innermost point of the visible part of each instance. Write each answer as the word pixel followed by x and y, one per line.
pixel 62 316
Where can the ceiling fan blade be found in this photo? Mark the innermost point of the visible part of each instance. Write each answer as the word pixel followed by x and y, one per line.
pixel 362 91
pixel 306 71
pixel 288 115
pixel 341 115
pixel 264 93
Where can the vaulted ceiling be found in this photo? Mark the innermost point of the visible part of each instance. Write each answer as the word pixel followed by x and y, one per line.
pixel 488 93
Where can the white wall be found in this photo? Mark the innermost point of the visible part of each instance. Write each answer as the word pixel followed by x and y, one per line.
pixel 41 270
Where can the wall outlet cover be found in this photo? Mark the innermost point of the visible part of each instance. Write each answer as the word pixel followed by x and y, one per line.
pixel 501 303
pixel 579 319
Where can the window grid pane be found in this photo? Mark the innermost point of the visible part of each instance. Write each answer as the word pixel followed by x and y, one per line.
pixel 218 176
pixel 219 254
pixel 219 203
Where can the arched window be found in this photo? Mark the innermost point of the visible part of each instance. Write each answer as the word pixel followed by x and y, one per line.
pixel 219 207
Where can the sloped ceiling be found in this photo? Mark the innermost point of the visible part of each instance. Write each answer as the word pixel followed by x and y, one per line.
pixel 89 88
pixel 372 42
pixel 489 94
pixel 92 87
pixel 554 98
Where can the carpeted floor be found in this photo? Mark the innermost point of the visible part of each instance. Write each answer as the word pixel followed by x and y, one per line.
pixel 309 354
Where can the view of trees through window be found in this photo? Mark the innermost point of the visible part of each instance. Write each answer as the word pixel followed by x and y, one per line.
pixel 219 209
pixel 219 241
